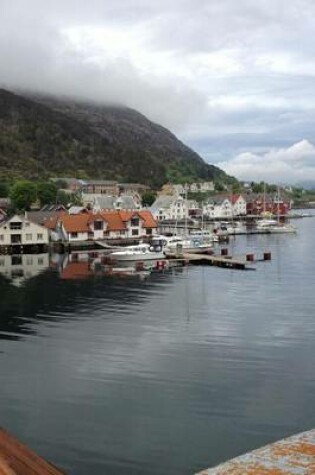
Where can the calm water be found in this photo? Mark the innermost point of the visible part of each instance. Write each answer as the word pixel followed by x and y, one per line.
pixel 161 374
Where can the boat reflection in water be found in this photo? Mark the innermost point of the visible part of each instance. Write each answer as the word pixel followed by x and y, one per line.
pixel 77 266
pixel 18 268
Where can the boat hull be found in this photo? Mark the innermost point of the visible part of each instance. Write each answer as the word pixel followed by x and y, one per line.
pixel 152 256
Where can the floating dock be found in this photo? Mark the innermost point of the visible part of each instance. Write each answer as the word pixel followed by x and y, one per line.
pixel 224 260
pixel 292 456
pixel 17 459
pixel 219 261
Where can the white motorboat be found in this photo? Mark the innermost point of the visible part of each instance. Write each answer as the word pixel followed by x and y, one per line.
pixel 228 228
pixel 271 226
pixel 142 252
pixel 205 235
pixel 190 244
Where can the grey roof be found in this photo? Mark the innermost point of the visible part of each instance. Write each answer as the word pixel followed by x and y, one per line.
pixel 216 201
pixel 40 217
pixel 114 202
pixel 163 201
pixel 76 209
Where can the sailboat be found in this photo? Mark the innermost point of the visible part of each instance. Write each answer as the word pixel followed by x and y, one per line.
pixel 273 226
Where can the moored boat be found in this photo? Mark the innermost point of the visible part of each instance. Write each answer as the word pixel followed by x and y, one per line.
pixel 271 226
pixel 142 252
pixel 190 244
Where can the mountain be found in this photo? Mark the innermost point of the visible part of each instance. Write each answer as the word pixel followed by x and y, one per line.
pixel 307 184
pixel 41 137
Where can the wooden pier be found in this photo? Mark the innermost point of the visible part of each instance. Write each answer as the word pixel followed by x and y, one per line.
pixel 212 260
pixel 17 459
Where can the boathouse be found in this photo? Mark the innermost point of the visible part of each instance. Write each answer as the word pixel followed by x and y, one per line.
pixel 18 234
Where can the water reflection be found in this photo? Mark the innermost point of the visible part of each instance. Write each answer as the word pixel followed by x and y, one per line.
pixel 82 265
pixel 21 267
pixel 37 289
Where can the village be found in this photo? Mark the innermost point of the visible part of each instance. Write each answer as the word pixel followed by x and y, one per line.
pixel 114 212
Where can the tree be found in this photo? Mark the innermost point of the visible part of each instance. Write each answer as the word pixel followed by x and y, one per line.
pixel 46 193
pixel 148 198
pixel 4 189
pixel 219 186
pixel 23 194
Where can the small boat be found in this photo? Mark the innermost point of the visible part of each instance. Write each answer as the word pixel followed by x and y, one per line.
pixel 204 234
pixel 142 252
pixel 272 226
pixel 190 244
pixel 232 228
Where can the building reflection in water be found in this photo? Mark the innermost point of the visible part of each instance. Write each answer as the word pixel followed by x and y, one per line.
pixel 20 267
pixel 84 265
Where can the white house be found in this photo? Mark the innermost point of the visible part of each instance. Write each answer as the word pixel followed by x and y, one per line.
pixel 19 231
pixel 102 225
pixel 170 207
pixel 239 205
pixel 218 208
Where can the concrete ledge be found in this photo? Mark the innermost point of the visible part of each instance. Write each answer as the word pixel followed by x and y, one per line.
pixel 292 456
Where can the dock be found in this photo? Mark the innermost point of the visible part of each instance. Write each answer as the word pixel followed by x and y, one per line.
pixel 292 456
pixel 225 261
pixel 17 459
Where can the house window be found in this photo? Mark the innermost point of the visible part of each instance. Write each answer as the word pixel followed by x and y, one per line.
pixel 98 225
pixel 1 237
pixel 149 232
pixel 29 237
pixel 134 222
pixel 16 238
pixel 40 261
pixel 29 261
pixel 74 235
pixel 1 262
pixel 15 225
pixel 135 232
pixel 39 237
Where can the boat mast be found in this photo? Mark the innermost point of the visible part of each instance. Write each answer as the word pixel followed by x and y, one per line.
pixel 264 202
pixel 202 220
pixel 278 205
pixel 186 210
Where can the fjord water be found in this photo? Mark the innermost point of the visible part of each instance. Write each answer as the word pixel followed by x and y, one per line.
pixel 166 374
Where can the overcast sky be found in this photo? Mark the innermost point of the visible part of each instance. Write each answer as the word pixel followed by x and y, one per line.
pixel 233 79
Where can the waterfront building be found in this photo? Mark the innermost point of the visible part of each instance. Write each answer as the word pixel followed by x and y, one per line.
pixel 239 205
pixel 266 203
pixel 20 231
pixel 94 226
pixel 218 207
pixel 170 207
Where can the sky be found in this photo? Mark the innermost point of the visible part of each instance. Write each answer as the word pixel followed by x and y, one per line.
pixel 233 79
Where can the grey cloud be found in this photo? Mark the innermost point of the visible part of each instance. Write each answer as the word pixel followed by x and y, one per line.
pixel 255 93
